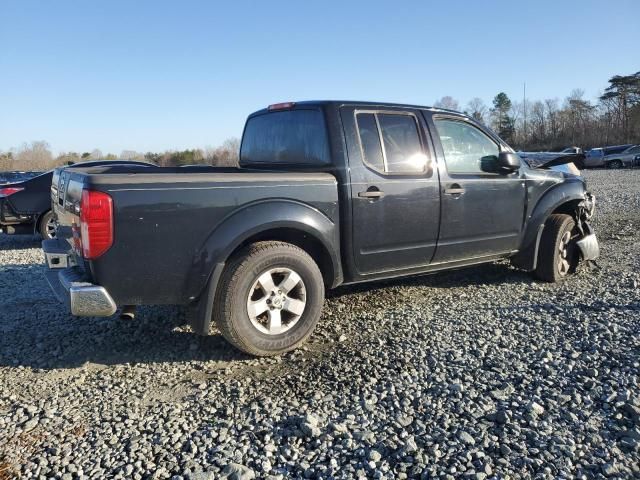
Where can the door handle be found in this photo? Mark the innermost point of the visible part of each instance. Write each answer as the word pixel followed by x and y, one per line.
pixel 454 189
pixel 371 193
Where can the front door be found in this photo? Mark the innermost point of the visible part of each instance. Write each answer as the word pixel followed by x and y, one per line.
pixel 482 212
pixel 395 197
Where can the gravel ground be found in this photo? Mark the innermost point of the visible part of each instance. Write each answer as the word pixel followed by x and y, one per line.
pixel 479 373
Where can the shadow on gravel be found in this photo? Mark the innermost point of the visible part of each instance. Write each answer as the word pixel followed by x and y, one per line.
pixel 16 242
pixel 487 274
pixel 37 332
pixel 66 342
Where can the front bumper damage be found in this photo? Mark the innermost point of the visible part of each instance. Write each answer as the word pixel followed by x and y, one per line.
pixel 71 286
pixel 588 243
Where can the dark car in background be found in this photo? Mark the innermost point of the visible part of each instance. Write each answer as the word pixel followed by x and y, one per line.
pixel 25 205
pixel 11 177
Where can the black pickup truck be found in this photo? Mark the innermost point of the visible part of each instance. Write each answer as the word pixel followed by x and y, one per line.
pixel 327 193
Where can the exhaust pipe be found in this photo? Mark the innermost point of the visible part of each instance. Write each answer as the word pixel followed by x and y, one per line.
pixel 128 312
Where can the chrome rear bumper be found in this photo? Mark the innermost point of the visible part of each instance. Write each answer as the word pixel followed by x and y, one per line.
pixel 70 285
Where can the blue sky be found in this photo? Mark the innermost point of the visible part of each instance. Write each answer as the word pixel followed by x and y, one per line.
pixel 152 75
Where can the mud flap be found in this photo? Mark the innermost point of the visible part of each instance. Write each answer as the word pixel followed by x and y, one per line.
pixel 199 312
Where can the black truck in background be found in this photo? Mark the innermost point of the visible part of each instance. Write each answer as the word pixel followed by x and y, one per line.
pixel 327 193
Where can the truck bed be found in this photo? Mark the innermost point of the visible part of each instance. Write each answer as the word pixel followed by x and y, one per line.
pixel 164 219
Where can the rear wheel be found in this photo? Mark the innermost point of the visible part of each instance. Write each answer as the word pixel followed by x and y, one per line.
pixel 558 255
pixel 615 164
pixel 269 298
pixel 47 226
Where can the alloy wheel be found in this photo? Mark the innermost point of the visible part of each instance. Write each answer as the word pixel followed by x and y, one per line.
pixel 276 301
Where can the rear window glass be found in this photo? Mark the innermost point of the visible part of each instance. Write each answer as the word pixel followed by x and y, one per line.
pixel 370 140
pixel 294 137
pixel 402 143
pixel 390 143
pixel 616 149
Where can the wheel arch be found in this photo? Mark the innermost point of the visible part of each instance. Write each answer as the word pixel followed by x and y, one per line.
pixel 282 220
pixel 565 198
pixel 304 240
pixel 37 221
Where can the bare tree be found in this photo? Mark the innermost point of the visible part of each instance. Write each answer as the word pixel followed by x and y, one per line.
pixel 447 102
pixel 34 156
pixel 477 109
pixel 96 154
pixel 552 118
pixel 226 155
pixel 68 158
pixel 131 155
pixel 537 125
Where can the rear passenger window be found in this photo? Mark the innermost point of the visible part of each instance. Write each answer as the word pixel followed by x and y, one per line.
pixel 370 141
pixel 391 142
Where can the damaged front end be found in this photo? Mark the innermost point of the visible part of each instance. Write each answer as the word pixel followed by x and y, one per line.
pixel 588 243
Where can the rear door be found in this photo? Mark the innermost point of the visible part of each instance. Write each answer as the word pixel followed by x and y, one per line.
pixel 482 212
pixel 395 197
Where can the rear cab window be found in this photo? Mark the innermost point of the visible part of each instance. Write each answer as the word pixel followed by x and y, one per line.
pixel 295 137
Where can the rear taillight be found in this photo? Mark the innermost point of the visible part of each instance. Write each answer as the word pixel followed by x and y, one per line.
pixel 96 223
pixel 6 191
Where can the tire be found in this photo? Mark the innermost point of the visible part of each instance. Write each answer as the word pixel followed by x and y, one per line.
pixel 558 255
pixel 47 226
pixel 250 284
pixel 615 164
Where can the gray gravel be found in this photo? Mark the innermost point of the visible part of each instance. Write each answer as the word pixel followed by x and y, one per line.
pixel 480 373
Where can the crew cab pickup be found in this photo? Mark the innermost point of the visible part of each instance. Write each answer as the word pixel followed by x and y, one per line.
pixel 327 193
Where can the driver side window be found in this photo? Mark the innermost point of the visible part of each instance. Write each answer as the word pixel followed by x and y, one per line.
pixel 465 146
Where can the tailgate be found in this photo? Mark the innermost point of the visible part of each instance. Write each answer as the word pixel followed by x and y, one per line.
pixel 66 194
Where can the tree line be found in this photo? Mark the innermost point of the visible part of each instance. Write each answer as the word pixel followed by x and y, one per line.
pixel 551 124
pixel 37 156
pixel 540 125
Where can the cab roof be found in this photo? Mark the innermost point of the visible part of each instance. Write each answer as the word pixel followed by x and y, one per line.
pixel 338 103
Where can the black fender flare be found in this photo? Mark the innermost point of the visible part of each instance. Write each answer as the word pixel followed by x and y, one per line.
pixel 243 224
pixel 552 200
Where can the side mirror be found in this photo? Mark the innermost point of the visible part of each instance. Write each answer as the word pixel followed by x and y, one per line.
pixel 508 162
pixel 489 164
pixel 505 162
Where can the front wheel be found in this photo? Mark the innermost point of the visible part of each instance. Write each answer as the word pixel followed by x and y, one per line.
pixel 558 255
pixel 269 298
pixel 47 226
